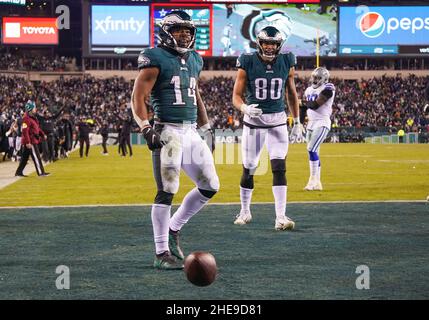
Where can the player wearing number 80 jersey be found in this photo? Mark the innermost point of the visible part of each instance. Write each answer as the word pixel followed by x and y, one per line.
pixel 168 78
pixel 263 80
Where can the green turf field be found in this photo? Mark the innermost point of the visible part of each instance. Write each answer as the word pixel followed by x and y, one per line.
pixel 109 252
pixel 349 172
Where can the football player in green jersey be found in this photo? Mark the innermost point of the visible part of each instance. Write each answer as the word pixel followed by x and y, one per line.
pixel 264 79
pixel 168 78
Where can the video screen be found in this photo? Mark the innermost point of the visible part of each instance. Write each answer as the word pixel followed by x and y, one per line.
pixel 200 14
pixel 384 30
pixel 119 29
pixel 235 27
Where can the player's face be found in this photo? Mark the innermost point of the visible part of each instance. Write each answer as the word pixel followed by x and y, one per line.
pixel 269 48
pixel 182 35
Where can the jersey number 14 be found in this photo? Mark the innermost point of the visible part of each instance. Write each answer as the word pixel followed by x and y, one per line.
pixel 178 92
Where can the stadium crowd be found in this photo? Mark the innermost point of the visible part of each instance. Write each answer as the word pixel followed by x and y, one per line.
pixel 9 61
pixel 380 104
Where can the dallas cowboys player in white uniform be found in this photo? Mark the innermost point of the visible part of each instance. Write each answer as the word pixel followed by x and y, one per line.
pixel 318 102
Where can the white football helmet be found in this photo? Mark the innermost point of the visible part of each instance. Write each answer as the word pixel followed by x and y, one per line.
pixel 318 77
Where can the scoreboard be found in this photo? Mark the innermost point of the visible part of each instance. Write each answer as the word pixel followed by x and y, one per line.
pixel 201 15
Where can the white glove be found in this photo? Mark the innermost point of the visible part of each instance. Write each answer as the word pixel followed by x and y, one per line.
pixel 296 135
pixel 251 110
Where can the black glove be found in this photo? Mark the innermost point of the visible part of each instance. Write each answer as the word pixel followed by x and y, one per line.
pixel 210 138
pixel 152 138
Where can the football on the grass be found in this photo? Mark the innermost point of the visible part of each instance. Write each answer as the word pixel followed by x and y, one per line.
pixel 200 268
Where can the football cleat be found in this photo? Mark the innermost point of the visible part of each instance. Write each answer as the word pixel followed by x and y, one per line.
pixel 284 223
pixel 173 243
pixel 166 261
pixel 313 185
pixel 243 217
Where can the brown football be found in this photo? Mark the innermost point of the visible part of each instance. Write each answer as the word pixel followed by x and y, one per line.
pixel 200 268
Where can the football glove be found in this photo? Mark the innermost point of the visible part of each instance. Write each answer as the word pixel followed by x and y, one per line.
pixel 251 110
pixel 152 138
pixel 296 135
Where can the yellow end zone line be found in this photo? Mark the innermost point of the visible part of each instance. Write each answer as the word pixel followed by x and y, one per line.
pixel 214 204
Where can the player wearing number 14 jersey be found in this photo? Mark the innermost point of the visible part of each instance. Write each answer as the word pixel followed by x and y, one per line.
pixel 168 79
pixel 264 79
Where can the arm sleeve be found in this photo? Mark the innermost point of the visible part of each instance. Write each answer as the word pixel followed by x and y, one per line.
pixel 147 59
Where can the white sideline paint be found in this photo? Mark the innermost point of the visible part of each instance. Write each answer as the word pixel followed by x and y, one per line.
pixel 213 204
pixel 405 161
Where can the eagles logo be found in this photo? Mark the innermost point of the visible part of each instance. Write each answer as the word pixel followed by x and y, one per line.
pixel 259 19
pixel 143 60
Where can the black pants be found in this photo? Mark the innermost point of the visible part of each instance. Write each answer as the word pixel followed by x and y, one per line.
pixel 124 142
pixel 45 150
pixel 51 147
pixel 83 140
pixel 35 155
pixel 104 144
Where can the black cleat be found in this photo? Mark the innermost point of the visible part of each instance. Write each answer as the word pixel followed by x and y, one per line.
pixel 173 243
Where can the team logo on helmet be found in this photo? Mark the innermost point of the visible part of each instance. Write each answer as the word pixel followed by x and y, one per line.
pixel 372 24
pixel 173 20
pixel 269 34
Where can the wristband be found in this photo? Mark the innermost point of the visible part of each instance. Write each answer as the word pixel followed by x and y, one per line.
pixel 296 120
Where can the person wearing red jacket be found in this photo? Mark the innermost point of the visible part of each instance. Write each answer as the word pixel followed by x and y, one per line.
pixel 32 135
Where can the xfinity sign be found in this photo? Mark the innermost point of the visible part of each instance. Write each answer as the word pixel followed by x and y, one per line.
pixel 120 25
pixel 404 25
pixel 108 24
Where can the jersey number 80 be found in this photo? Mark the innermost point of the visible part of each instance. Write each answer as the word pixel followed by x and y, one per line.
pixel 261 88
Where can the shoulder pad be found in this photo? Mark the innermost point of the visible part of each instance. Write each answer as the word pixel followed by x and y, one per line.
pixel 329 86
pixel 148 58
pixel 242 60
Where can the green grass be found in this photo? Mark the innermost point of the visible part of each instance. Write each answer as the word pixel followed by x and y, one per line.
pixel 109 252
pixel 349 172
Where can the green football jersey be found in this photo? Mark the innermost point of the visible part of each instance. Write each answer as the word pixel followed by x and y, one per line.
pixel 266 81
pixel 174 93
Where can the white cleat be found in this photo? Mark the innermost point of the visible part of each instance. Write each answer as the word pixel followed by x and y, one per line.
pixel 243 217
pixel 313 185
pixel 284 223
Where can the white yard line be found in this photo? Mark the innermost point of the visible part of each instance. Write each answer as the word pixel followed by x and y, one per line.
pixel 214 204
